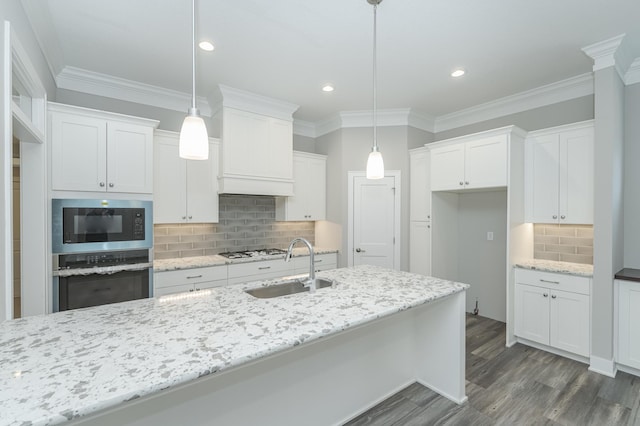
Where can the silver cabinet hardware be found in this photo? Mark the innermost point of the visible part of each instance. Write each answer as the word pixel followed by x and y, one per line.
pixel 359 250
pixel 184 217
pixel 563 217
pixel 550 282
pixel 461 183
pixel 318 260
pixel 553 296
pixel 429 216
pixel 191 289
pixel 197 289
pixel 555 216
pixel 264 267
pixel 194 276
pixel 466 183
pixel 545 294
pixel 102 184
pixel 111 185
pixel 190 217
pixel 428 226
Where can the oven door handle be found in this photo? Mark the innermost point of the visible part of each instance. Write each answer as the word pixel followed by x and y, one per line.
pixel 103 270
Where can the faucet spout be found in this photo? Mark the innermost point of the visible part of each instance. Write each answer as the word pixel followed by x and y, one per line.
pixel 311 282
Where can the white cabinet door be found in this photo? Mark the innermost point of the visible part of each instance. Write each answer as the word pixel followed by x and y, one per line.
pixel 569 321
pixel 279 149
pixel 447 168
pixel 241 130
pixel 202 188
pixel 629 323
pixel 485 163
pixel 78 153
pixel 420 248
pixel 169 195
pixel 532 313
pixel 129 158
pixel 181 288
pixel 420 187
pixel 543 171
pixel 576 176
pixel 310 189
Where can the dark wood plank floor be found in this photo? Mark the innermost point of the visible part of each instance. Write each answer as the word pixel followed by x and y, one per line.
pixel 515 386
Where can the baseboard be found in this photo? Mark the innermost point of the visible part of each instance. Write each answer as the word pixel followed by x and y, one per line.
pixel 458 401
pixel 553 350
pixel 606 367
pixel 627 369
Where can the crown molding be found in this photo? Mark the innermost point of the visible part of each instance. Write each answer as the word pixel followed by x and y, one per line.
pixel 304 128
pixel 610 53
pixel 240 99
pixel 39 17
pixel 328 125
pixel 99 84
pixel 633 75
pixel 571 88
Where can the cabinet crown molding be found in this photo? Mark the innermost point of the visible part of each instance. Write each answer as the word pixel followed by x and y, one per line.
pixel 507 130
pixel 230 97
pixel 610 53
pixel 562 128
pixel 106 115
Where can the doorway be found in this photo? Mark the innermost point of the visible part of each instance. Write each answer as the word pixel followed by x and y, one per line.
pixel 374 220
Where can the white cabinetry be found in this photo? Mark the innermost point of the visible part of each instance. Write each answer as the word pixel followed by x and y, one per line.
pixel 475 164
pixel 310 188
pixel 629 323
pixel 256 155
pixel 322 263
pixel 98 151
pixel 185 190
pixel 553 310
pixel 420 212
pixel 559 174
pixel 194 279
pixel 260 270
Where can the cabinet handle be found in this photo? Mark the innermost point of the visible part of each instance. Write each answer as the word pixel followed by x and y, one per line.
pixel 359 250
pixel 563 217
pixel 429 216
pixel 550 282
pixel 555 216
pixel 184 217
pixel 197 289
pixel 318 260
pixel 545 294
pixel 553 296
pixel 102 184
pixel 191 289
pixel 428 226
pixel 194 276
pixel 461 183
pixel 190 217
pixel 466 183
pixel 264 267
pixel 110 184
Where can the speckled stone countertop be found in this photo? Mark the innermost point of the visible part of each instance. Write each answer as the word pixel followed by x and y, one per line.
pixel 162 265
pixel 557 267
pixel 61 366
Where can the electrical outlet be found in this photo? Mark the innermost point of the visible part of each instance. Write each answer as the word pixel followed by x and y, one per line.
pixel 489 236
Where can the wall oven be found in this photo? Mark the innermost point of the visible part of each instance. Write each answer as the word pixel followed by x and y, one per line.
pixel 102 252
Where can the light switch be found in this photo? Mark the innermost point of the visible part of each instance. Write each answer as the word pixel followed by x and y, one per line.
pixel 489 236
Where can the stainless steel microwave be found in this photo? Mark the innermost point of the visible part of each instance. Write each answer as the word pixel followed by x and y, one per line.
pixel 91 225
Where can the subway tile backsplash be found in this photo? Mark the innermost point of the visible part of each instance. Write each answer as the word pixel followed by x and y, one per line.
pixel 566 243
pixel 247 222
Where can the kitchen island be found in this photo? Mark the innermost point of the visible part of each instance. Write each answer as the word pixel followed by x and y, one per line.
pixel 221 356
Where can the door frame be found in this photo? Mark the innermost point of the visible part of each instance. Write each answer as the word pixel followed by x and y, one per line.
pixel 396 174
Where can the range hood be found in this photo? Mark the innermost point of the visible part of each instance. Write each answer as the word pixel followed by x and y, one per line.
pixel 256 143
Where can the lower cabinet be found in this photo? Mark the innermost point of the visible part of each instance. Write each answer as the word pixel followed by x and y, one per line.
pixel 553 310
pixel 420 247
pixel 629 323
pixel 256 271
pixel 195 279
pixel 322 261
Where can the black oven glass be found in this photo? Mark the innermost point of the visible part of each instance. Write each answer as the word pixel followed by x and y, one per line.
pixel 95 225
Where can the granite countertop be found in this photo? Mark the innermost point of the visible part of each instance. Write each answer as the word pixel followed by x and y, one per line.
pixel 162 265
pixel 569 268
pixel 61 366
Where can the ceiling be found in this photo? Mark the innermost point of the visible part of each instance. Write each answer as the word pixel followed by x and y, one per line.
pixel 287 49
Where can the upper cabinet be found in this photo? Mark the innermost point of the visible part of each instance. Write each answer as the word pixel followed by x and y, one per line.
pixel 256 151
pixel 185 190
pixel 99 151
pixel 559 174
pixel 310 188
pixel 471 162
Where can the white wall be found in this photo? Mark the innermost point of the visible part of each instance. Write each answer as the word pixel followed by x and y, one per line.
pixel 632 177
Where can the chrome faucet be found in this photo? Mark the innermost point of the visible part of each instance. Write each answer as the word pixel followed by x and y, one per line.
pixel 311 282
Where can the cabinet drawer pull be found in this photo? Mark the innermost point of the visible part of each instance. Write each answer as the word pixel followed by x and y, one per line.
pixel 194 276
pixel 319 260
pixel 466 183
pixel 555 216
pixel 110 185
pixel 264 267
pixel 545 294
pixel 550 282
pixel 461 183
pixel 553 296
pixel 102 184
pixel 563 217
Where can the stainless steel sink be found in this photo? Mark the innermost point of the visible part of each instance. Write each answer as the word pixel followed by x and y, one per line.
pixel 287 287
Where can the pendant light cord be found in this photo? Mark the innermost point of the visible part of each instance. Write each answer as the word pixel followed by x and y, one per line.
pixel 375 78
pixel 193 54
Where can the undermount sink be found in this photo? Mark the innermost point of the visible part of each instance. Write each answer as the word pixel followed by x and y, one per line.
pixel 287 287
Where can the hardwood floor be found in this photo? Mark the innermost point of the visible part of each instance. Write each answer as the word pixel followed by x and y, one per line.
pixel 515 386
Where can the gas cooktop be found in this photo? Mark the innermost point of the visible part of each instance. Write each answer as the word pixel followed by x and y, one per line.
pixel 252 253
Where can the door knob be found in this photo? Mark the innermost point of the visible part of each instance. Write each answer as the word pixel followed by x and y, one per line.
pixel 359 250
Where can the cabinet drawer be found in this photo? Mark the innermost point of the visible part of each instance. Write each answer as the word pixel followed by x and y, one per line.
pixel 265 267
pixel 323 262
pixel 161 291
pixel 551 280
pixel 189 276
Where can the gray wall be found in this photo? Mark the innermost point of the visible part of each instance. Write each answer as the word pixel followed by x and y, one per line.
pixel 417 138
pixel 304 143
pixel 632 177
pixel 566 112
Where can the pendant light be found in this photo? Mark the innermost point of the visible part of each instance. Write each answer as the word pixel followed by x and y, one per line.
pixel 194 141
pixel 375 164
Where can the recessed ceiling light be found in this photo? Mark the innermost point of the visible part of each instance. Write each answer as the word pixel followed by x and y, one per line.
pixel 457 73
pixel 328 88
pixel 206 45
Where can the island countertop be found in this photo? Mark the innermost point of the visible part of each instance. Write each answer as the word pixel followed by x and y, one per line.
pixel 69 364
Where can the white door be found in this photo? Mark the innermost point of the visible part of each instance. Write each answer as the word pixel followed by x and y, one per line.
pixel 374 221
pixel 569 320
pixel 532 313
pixel 129 158
pixel 543 158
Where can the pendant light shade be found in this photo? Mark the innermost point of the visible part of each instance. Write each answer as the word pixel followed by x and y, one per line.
pixel 194 141
pixel 375 164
